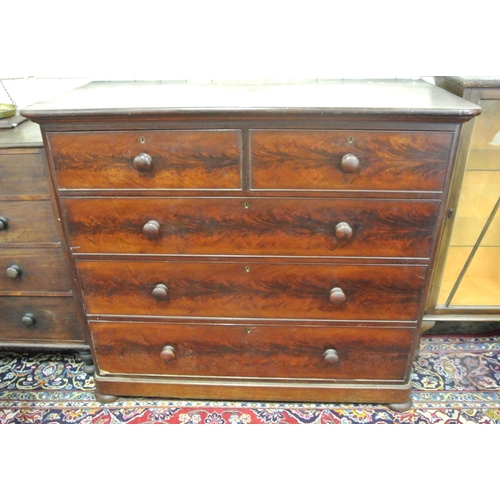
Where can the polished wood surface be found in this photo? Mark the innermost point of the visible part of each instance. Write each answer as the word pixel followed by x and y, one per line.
pixel 24 174
pixel 252 351
pixel 31 222
pixel 39 269
pixel 178 159
pixel 411 99
pixel 215 226
pixel 252 289
pixel 55 321
pixel 253 242
pixel 36 304
pixel 313 160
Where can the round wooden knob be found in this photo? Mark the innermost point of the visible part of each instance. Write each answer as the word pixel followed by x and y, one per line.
pixel 160 292
pixel 343 231
pixel 14 272
pixel 4 224
pixel 151 229
pixel 168 353
pixel 337 295
pixel 28 320
pixel 143 162
pixel 331 356
pixel 349 163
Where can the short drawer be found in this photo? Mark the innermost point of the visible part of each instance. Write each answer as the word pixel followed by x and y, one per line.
pixel 24 174
pixel 28 270
pixel 208 159
pixel 27 222
pixel 349 160
pixel 30 319
pixel 229 226
pixel 286 351
pixel 252 290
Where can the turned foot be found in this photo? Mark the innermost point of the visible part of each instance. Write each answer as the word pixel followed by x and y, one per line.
pixel 426 325
pixel 104 398
pixel 400 407
pixel 88 362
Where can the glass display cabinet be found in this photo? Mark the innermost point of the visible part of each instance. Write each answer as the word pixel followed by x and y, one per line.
pixel 466 279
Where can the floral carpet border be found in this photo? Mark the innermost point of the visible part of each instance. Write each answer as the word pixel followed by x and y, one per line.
pixel 455 380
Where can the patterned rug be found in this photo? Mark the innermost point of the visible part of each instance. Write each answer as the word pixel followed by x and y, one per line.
pixel 456 380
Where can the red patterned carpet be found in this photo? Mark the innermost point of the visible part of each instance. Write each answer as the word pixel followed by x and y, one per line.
pixel 456 380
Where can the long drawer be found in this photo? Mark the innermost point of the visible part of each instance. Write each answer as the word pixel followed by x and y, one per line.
pixel 253 290
pixel 167 159
pixel 33 319
pixel 291 352
pixel 349 160
pixel 218 226
pixel 27 222
pixel 28 270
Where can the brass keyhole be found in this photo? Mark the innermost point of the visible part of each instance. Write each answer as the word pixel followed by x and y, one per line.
pixel 142 139
pixel 246 204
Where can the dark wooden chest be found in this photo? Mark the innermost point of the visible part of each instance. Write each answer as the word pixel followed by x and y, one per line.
pixel 253 242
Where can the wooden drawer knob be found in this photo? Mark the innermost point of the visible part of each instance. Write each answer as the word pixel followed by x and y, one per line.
pixel 14 272
pixel 160 292
pixel 331 356
pixel 349 163
pixel 337 295
pixel 343 231
pixel 28 320
pixel 143 162
pixel 4 224
pixel 151 229
pixel 168 353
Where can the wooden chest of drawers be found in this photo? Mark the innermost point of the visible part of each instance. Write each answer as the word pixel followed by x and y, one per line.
pixel 258 243
pixel 36 299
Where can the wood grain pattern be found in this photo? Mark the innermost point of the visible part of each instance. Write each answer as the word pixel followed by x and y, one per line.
pixel 28 222
pixel 252 351
pixel 56 320
pixel 42 269
pixel 258 226
pixel 252 290
pixel 243 275
pixel 310 159
pixel 23 174
pixel 205 159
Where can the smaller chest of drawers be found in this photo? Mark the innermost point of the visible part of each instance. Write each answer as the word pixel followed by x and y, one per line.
pixel 265 243
pixel 36 300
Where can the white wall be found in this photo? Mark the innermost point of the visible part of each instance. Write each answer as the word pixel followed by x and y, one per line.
pixel 239 40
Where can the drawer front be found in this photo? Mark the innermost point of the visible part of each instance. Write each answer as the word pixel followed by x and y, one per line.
pixel 208 159
pixel 252 290
pixel 285 351
pixel 257 226
pixel 25 270
pixel 27 222
pixel 29 319
pixel 23 175
pixel 407 161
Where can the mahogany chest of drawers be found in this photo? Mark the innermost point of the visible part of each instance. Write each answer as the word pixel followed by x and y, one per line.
pixel 36 299
pixel 264 242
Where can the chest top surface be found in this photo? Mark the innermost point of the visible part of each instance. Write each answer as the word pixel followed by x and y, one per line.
pixel 397 98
